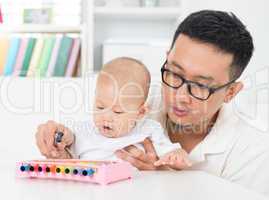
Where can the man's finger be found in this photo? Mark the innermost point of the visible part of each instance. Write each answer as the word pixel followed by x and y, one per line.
pixel 50 131
pixel 136 153
pixel 68 137
pixel 124 155
pixel 42 148
pixel 149 149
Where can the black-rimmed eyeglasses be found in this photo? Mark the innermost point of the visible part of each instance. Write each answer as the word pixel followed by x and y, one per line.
pixel 196 90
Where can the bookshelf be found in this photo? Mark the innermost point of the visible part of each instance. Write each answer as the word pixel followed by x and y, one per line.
pixel 16 27
pixel 41 29
pixel 137 13
pixel 101 23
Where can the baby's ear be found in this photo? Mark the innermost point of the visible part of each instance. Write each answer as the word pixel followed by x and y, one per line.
pixel 143 110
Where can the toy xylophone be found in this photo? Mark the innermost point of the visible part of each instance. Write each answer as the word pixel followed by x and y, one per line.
pixel 101 172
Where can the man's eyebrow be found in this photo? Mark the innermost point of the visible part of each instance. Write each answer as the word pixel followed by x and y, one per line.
pixel 177 65
pixel 208 78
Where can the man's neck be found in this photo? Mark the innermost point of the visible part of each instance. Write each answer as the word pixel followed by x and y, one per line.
pixel 190 136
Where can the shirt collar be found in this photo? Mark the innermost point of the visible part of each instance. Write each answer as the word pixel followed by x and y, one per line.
pixel 219 137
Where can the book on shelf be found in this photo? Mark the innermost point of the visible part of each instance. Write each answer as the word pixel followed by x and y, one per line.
pixel 12 55
pixel 54 55
pixel 33 67
pixel 4 44
pixel 73 61
pixel 28 56
pixel 40 55
pixel 45 56
pixel 63 55
pixel 1 17
pixel 20 56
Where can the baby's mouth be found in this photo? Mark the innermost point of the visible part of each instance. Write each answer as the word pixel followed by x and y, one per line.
pixel 107 131
pixel 107 128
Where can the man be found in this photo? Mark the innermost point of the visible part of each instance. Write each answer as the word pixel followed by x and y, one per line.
pixel 209 52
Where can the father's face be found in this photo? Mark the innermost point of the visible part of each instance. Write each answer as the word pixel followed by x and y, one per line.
pixel 204 64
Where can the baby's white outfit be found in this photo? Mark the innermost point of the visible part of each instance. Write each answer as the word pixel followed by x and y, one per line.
pixel 92 145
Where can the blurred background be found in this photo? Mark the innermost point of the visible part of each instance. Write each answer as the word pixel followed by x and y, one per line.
pixel 50 51
pixel 74 38
pixel 106 29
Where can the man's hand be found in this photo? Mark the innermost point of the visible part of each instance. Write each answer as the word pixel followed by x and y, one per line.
pixel 139 159
pixel 45 140
pixel 177 160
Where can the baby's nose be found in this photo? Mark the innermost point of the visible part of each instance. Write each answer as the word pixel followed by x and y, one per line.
pixel 108 118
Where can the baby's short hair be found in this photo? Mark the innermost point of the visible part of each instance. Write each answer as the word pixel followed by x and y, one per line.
pixel 129 70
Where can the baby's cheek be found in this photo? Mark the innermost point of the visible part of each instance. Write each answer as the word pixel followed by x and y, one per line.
pixel 130 125
pixel 96 119
pixel 121 127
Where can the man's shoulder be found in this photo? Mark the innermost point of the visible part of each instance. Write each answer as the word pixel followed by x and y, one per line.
pixel 252 135
pixel 245 133
pixel 251 143
pixel 247 159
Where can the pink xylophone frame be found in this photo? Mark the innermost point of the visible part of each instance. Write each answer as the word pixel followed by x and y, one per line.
pixel 101 172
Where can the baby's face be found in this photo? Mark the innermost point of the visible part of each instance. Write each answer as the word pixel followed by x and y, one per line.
pixel 117 108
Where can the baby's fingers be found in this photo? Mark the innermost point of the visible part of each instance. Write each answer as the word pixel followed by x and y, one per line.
pixel 163 160
pixel 180 163
pixel 187 161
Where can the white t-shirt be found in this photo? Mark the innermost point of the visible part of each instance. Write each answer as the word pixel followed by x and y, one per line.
pixel 234 150
pixel 90 144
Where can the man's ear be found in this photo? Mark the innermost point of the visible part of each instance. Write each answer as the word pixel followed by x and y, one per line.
pixel 232 91
pixel 143 110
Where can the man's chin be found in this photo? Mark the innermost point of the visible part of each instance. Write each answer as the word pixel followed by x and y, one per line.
pixel 182 121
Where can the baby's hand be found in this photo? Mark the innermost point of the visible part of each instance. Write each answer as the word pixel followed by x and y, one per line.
pixel 45 140
pixel 177 160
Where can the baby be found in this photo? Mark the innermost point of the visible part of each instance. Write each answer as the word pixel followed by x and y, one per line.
pixel 119 119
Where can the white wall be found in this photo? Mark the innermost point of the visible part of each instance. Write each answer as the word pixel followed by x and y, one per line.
pixel 254 15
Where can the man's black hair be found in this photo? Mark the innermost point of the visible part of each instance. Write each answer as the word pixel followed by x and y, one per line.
pixel 224 31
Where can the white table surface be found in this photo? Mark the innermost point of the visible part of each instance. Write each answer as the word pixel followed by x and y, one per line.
pixel 17 143
pixel 185 185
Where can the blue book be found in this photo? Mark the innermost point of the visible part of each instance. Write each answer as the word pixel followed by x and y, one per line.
pixel 11 56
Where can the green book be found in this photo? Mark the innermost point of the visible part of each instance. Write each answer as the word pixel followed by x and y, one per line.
pixel 63 56
pixel 45 56
pixel 28 56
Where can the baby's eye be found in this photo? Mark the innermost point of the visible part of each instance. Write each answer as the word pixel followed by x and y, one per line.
pixel 118 112
pixel 100 108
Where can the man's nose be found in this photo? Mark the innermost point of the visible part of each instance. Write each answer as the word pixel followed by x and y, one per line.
pixel 182 94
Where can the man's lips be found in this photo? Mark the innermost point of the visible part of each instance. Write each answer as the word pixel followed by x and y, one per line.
pixel 180 112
